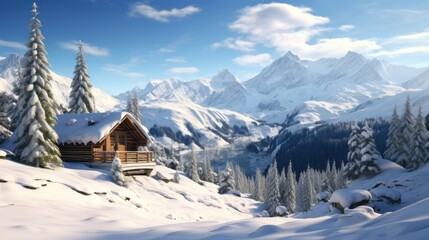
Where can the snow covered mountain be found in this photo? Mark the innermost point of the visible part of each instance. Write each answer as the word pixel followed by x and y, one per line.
pixel 293 90
pixel 61 85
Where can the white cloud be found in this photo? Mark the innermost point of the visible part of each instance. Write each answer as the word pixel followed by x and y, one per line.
pixel 235 44
pixel 262 59
pixel 183 70
pixel 289 28
pixel 275 17
pixel 10 44
pixel 401 51
pixel 144 10
pixel 1 58
pixel 122 70
pixel 422 37
pixel 87 48
pixel 176 60
pixel 166 50
pixel 346 27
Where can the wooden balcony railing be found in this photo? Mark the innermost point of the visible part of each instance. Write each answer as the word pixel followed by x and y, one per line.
pixel 125 156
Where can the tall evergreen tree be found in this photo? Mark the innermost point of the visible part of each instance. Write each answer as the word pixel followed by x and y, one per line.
pixel 272 189
pixel 309 192
pixel 193 168
pixel 326 184
pixel 418 149
pixel 259 186
pixel 392 143
pixel 406 134
pixel 36 140
pixel 333 177
pixel 290 192
pixel 133 106
pixel 81 98
pixel 369 153
pixel 6 100
pixel 352 168
pixel 341 179
pixel 226 180
pixel 208 171
pixel 283 183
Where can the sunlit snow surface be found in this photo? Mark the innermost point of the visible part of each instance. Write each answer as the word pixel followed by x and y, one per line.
pixel 80 203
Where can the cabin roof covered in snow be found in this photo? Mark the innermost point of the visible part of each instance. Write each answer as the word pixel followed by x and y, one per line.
pixel 74 128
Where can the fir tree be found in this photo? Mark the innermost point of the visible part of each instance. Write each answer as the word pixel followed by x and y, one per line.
pixel 392 143
pixel 283 187
pixel 207 171
pixel 326 184
pixel 36 140
pixel 259 186
pixel 341 179
pixel 81 98
pixel 6 100
pixel 418 149
pixel 333 177
pixel 290 192
pixel 117 175
pixel 226 180
pixel 272 191
pixel 193 168
pixel 133 106
pixel 352 168
pixel 240 179
pixel 369 153
pixel 406 134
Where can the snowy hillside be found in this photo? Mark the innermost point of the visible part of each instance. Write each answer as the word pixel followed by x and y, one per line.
pixel 81 203
pixel 60 85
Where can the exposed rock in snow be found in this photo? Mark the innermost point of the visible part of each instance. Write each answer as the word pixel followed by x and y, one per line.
pixel 349 198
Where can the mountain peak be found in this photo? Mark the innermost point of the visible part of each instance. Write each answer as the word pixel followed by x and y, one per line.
pixel 292 56
pixel 224 76
pixel 12 60
pixel 353 55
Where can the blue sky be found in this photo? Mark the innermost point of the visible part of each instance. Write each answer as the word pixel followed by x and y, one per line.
pixel 130 42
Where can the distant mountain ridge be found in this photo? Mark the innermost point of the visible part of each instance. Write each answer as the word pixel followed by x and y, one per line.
pixel 310 91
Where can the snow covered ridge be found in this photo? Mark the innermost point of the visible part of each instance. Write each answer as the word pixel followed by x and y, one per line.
pixel 292 85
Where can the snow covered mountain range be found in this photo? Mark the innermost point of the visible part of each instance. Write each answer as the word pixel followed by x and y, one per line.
pixel 305 91
pixel 289 90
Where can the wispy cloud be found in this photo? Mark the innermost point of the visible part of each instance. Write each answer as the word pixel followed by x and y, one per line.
pixel 259 60
pixel 405 14
pixel 11 44
pixel 87 48
pixel 183 70
pixel 346 27
pixel 290 28
pixel 172 47
pixel 125 70
pixel 144 10
pixel 235 44
pixel 420 37
pixel 176 60
pixel 122 70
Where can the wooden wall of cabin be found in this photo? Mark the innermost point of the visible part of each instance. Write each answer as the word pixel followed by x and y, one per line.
pixel 125 134
pixel 76 152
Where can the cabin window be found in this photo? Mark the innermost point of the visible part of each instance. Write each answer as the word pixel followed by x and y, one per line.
pixel 122 139
pixel 112 141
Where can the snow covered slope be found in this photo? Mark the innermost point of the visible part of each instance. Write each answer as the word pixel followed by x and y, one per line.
pixel 81 203
pixel 60 85
pixel 77 202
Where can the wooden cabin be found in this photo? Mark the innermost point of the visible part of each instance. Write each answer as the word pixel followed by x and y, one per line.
pixel 95 138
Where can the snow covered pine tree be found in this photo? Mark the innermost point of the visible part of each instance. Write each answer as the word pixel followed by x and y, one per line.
pixel 81 98
pixel 352 168
pixel 226 180
pixel 116 170
pixel 133 105
pixel 418 149
pixel 392 143
pixel 36 140
pixel 369 153
pixel 272 191
pixel 405 135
